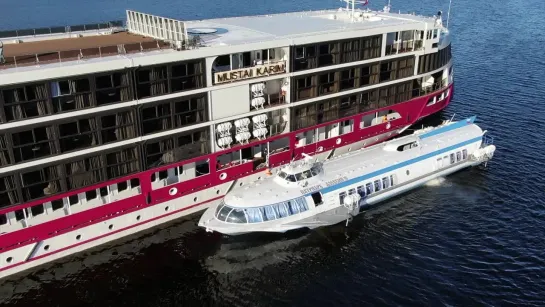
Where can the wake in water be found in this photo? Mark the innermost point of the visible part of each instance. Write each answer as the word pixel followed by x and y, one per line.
pixel 436 182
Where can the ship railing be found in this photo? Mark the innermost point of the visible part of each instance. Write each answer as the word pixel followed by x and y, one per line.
pixel 487 140
pixel 417 92
pixel 81 54
pixel 15 34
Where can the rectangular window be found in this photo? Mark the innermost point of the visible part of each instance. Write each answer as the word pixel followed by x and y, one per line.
pixel 174 114
pixel 182 147
pixel 348 79
pixel 452 160
pixel 464 154
pixel 112 88
pixel 391 180
pixel 33 144
pixel 90 195
pixel 342 196
pixel 78 134
pixel 186 76
pixel 361 191
pixel 4 151
pixel 151 81
pixel 118 127
pixel 304 87
pixel 69 95
pixel 26 102
pixel 327 83
pixel 458 156
pixel 304 57
pixel 42 182
pixel 385 182
pixel 378 186
pixel 37 210
pixel 122 163
pixel 369 188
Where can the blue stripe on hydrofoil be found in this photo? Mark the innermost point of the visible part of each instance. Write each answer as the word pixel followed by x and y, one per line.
pixel 456 125
pixel 396 166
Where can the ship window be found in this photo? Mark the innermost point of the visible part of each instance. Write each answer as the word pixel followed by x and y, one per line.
pixel 342 196
pixel 458 156
pixel 377 186
pixel 42 182
pixel 57 204
pixel 33 144
pixel 90 195
pixel 84 172
pixel 3 219
pixel 163 174
pixel 290 178
pixel 37 210
pixel 26 102
pixel 121 186
pixel 385 182
pixel 452 158
pixel 8 191
pixel 224 212
pixel 114 87
pixel 361 191
pixel 73 199
pixel 103 191
pixel 268 213
pixel 78 134
pixel 254 215
pixel 391 180
pixel 186 76
pixel 19 215
pixel 464 154
pixel 202 168
pixel 407 146
pixel 236 216
pixel 122 163
pixel 118 127
pixel 369 188
pixel 151 81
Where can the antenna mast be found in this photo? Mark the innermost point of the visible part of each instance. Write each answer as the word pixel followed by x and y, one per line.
pixel 448 13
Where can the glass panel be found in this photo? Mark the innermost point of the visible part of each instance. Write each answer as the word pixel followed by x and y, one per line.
pixel 294 207
pixel 377 185
pixel 290 178
pixel 464 154
pixel 385 182
pixel 282 175
pixel 254 215
pixel 341 197
pixel 282 210
pixel 361 191
pixel 369 188
pixel 224 212
pixel 236 216
pixel 269 213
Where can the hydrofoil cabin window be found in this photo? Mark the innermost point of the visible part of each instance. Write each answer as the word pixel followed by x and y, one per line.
pixel 25 102
pixel 68 95
pixel 151 81
pixel 177 113
pixel 33 144
pixel 112 88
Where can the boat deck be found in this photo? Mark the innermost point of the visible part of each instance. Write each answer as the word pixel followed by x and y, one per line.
pixel 68 49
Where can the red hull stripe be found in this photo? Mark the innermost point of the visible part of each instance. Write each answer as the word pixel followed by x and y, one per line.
pixel 110 233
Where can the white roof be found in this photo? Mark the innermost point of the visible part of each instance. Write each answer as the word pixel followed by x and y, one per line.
pixel 253 29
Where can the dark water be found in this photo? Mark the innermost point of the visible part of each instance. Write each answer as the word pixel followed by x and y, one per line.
pixel 476 238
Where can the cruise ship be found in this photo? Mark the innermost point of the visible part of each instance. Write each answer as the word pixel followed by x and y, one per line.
pixel 109 129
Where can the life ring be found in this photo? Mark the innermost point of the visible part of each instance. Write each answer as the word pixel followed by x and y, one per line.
pixel 223 176
pixel 172 191
pixel 338 141
pixel 321 148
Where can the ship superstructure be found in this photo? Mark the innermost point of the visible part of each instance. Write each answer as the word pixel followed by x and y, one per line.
pixel 110 129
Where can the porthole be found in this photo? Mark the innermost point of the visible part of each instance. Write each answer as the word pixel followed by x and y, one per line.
pixel 258 178
pixel 166 208
pixel 217 192
pixel 408 172
pixel 223 176
pixel 138 218
pixel 111 227
pixel 241 183
pixel 9 259
pixel 172 191
pixel 321 148
pixel 195 199
pixel 46 247
pixel 78 237
pixel 338 141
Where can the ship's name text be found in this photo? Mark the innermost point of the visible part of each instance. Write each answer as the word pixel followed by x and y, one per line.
pixel 327 183
pixel 250 72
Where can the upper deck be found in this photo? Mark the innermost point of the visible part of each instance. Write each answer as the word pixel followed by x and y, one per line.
pixel 175 40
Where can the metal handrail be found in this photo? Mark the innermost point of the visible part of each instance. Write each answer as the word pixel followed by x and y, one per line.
pixel 60 30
